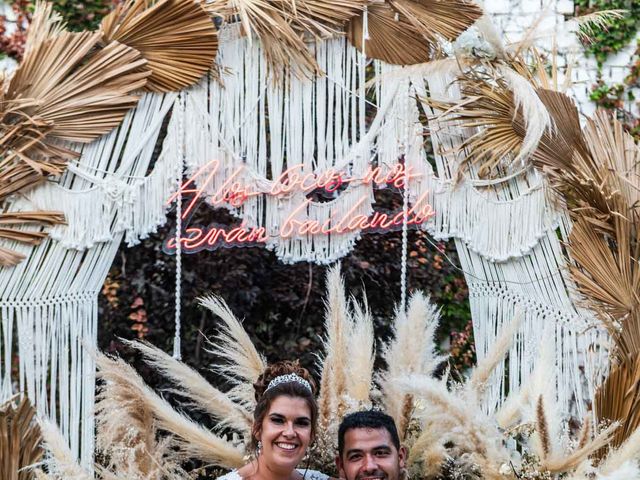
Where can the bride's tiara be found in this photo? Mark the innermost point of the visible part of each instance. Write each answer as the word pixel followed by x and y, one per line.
pixel 289 377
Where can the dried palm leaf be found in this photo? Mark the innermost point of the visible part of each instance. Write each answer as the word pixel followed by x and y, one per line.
pixel 320 18
pixel 389 38
pixel 193 440
pixel 505 110
pixel 193 386
pixel 283 25
pixel 436 19
pixel 9 257
pixel 284 46
pixel 244 364
pixel 601 274
pixel 491 110
pixel 45 25
pixel 20 439
pixel 64 89
pixel 81 102
pixel 618 400
pixel 176 37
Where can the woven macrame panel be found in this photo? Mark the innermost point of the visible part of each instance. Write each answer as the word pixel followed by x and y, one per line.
pixel 508 237
pixel 48 303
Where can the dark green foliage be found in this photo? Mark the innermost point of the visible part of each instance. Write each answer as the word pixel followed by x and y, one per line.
pixel 618 33
pixel 610 40
pixel 83 15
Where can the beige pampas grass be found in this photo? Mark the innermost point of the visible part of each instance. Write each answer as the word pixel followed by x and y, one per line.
pixel 482 372
pixel 336 344
pixel 456 422
pixel 412 351
pixel 200 392
pixel 193 439
pixel 232 343
pixel 361 355
pixel 61 462
pixel 629 451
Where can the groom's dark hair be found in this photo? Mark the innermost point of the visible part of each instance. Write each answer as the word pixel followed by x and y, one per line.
pixel 368 419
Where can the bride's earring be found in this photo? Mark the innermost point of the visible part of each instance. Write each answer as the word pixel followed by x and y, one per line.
pixel 259 448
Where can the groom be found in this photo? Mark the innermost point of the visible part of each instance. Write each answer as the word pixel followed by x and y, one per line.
pixel 369 447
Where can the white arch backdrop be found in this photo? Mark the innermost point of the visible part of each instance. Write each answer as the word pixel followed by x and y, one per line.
pixel 512 258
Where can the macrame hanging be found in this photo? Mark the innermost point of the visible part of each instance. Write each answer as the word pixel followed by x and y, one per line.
pixel 49 301
pixel 508 244
pixel 255 129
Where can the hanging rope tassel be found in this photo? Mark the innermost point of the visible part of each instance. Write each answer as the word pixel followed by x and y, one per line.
pixel 178 321
pixel 405 224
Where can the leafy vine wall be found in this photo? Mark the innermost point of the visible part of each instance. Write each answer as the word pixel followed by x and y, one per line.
pixel 606 71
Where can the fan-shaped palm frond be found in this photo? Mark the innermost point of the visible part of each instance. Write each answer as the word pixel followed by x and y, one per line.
pixel 283 26
pixel 406 32
pixel 8 230
pixel 176 37
pixel 388 38
pixel 20 439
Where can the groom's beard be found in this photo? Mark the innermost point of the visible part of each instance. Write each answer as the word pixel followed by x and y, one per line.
pixel 378 474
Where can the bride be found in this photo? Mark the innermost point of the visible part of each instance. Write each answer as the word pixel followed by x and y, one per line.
pixel 284 425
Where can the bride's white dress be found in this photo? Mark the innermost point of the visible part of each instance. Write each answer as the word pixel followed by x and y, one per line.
pixel 308 475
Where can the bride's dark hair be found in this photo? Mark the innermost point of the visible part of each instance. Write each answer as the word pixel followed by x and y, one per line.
pixel 265 397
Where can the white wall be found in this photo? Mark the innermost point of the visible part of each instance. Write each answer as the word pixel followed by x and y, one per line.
pixel 515 18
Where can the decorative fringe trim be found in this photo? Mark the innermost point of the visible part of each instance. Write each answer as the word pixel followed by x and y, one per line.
pixel 56 371
pixel 580 345
pixel 117 203
pixel 508 246
pixel 498 230
pixel 52 295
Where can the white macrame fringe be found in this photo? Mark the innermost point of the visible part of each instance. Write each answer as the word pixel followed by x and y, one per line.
pixel 508 245
pixel 318 125
pixel 136 206
pixel 56 371
pixel 580 346
pixel 49 301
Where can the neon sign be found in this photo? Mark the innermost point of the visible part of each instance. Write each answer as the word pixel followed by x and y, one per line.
pixel 234 193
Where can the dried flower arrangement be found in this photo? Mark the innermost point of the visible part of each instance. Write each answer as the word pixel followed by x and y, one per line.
pixel 441 420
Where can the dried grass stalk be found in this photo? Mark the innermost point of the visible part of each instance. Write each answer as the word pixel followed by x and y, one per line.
pixel 61 462
pixel 333 378
pixel 192 439
pixel 201 393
